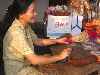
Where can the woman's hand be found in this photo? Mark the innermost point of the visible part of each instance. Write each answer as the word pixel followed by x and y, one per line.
pixel 63 40
pixel 65 53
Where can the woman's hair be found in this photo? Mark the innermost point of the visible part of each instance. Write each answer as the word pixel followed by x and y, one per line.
pixel 14 10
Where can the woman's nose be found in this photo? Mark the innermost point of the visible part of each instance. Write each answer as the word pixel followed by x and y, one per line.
pixel 35 13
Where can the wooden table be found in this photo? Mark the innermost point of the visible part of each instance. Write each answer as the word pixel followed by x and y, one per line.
pixel 69 69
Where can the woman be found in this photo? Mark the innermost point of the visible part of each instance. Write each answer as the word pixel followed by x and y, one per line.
pixel 91 32
pixel 19 41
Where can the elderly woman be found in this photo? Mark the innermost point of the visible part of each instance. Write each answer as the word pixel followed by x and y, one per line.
pixel 91 32
pixel 18 44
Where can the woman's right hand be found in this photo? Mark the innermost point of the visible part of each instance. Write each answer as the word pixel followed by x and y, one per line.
pixel 65 53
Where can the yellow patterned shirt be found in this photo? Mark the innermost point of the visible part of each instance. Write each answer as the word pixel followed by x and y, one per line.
pixel 17 43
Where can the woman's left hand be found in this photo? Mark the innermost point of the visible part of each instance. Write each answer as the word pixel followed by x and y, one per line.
pixel 63 40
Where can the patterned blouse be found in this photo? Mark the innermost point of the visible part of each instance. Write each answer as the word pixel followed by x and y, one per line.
pixel 17 43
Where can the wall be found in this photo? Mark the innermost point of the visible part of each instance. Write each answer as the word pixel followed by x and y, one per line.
pixel 3 6
pixel 41 7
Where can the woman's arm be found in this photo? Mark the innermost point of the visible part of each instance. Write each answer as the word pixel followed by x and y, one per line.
pixel 37 60
pixel 46 42
pixel 83 37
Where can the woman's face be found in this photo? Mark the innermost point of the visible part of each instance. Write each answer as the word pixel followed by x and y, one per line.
pixel 98 30
pixel 30 15
pixel 97 23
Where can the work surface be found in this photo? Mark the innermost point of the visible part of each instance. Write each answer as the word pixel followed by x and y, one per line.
pixel 73 68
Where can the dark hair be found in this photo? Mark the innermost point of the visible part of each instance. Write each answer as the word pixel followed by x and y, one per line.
pixel 14 10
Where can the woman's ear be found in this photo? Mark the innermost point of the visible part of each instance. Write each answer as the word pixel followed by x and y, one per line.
pixel 22 16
